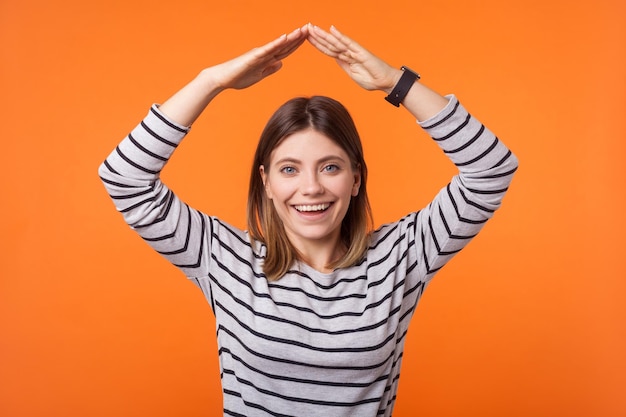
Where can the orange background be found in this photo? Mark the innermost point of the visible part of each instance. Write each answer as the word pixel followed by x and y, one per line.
pixel 528 321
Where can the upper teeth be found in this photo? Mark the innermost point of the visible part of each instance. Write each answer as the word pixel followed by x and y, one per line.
pixel 316 207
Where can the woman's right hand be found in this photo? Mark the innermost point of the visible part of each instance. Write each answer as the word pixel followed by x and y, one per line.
pixel 188 103
pixel 258 63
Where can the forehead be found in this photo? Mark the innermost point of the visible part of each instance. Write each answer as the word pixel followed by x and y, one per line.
pixel 307 145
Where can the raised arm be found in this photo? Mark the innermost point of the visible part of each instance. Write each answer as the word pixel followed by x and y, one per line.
pixel 372 73
pixel 131 173
pixel 186 105
pixel 485 165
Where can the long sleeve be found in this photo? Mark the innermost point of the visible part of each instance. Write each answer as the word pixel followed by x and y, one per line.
pixel 311 343
pixel 486 167
pixel 131 175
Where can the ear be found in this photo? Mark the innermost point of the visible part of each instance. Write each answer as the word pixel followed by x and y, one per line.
pixel 357 181
pixel 266 185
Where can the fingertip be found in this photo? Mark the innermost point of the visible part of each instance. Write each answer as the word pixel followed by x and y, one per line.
pixel 336 32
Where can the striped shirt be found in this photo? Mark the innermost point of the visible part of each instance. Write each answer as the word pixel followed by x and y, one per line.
pixel 311 344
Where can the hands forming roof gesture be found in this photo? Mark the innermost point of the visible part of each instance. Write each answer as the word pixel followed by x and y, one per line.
pixel 367 70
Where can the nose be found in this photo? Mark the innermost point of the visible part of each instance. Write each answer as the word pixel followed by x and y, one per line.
pixel 311 184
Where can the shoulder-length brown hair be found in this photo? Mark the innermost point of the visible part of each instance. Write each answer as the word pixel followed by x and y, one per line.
pixel 330 118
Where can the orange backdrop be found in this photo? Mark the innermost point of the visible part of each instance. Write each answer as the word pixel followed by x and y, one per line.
pixel 528 321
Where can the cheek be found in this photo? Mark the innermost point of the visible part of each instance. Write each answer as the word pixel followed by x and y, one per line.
pixel 278 190
pixel 345 190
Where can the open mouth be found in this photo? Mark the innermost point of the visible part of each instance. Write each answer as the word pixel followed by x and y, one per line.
pixel 312 208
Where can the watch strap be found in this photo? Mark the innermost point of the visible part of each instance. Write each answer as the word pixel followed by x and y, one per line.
pixel 403 86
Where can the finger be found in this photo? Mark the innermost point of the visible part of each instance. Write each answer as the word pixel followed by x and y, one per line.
pixel 294 40
pixel 342 56
pixel 322 47
pixel 296 35
pixel 345 40
pixel 338 34
pixel 327 40
pixel 305 29
pixel 267 51
pixel 283 41
pixel 343 47
pixel 333 51
pixel 289 48
pixel 277 49
pixel 336 40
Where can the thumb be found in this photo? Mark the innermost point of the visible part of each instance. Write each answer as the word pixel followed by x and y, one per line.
pixel 271 69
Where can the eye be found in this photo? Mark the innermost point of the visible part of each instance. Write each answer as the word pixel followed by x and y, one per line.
pixel 289 170
pixel 331 168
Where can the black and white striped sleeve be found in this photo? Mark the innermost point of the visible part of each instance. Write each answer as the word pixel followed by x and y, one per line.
pixel 460 210
pixel 131 176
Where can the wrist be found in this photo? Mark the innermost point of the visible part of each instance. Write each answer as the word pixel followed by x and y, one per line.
pixel 392 81
pixel 402 87
pixel 208 81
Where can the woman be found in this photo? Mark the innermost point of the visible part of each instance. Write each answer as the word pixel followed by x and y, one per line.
pixel 311 305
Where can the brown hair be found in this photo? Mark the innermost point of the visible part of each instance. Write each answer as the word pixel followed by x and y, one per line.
pixel 330 118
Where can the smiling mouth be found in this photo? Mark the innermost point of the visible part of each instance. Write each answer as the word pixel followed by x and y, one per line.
pixel 312 207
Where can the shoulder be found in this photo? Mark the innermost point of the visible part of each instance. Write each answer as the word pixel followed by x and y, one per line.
pixel 388 235
pixel 234 238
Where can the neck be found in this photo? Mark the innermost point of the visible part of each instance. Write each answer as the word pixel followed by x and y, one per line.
pixel 319 254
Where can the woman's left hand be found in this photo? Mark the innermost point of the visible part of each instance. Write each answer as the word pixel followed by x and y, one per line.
pixel 366 69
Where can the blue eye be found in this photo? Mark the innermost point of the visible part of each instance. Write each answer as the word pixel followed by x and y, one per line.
pixel 331 168
pixel 288 170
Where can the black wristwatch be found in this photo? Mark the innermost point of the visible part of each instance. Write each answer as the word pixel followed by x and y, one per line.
pixel 403 86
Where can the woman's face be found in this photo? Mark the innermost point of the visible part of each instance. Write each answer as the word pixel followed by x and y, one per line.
pixel 310 181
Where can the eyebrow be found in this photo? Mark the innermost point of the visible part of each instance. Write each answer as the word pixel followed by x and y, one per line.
pixel 319 161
